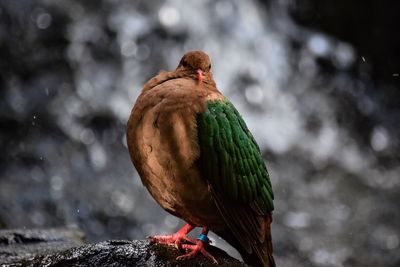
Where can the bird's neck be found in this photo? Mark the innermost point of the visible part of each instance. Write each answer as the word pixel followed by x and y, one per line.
pixel 164 76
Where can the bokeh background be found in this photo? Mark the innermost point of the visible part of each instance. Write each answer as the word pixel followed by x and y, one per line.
pixel 316 81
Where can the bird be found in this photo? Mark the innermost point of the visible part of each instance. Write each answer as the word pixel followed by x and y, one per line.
pixel 196 156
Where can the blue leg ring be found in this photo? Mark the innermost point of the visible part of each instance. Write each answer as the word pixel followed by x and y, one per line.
pixel 204 238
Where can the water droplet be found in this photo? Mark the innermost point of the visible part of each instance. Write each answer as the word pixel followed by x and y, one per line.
pixel 379 138
pixel 143 52
pixel 254 94
pixel 98 156
pixel 43 21
pixel 319 45
pixel 87 136
pixel 56 183
pixel 128 49
pixel 344 55
pixel 169 16
pixel 297 219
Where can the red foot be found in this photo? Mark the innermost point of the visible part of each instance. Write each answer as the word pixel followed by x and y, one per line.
pixel 176 239
pixel 199 247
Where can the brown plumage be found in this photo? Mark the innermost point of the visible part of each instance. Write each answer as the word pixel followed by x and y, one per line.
pixel 163 143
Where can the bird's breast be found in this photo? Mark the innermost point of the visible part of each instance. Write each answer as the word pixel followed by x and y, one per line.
pixel 162 140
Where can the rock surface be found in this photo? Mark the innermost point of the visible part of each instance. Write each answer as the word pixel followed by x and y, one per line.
pixel 60 247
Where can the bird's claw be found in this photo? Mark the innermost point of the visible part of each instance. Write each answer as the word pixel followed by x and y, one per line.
pixel 175 240
pixel 198 247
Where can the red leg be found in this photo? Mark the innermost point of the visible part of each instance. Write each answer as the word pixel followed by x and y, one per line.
pixel 175 239
pixel 199 247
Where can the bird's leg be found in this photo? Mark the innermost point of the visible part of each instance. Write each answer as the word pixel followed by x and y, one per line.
pixel 199 247
pixel 175 239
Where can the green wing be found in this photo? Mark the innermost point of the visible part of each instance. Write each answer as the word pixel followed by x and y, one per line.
pixel 230 158
pixel 231 162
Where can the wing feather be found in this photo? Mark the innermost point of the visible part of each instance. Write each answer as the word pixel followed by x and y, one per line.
pixel 225 140
pixel 231 162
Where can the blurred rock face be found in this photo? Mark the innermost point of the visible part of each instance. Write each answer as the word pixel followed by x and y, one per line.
pixel 70 72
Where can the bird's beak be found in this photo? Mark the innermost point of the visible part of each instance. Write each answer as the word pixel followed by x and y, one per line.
pixel 199 75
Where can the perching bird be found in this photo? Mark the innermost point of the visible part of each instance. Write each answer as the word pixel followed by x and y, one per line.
pixel 196 156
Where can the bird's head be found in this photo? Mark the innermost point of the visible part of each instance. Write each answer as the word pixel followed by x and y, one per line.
pixel 196 63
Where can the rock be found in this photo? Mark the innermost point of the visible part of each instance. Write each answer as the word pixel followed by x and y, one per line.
pixel 57 247
pixel 21 246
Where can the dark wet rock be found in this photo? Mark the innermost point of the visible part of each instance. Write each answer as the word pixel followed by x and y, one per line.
pixel 29 236
pixel 65 248
pixel 17 246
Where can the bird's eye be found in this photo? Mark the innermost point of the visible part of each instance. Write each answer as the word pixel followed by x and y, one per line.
pixel 209 67
pixel 184 63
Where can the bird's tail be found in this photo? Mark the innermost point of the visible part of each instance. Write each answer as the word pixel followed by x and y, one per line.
pixel 261 254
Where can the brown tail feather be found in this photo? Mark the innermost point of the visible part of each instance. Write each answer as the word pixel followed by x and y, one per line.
pixel 267 244
pixel 262 252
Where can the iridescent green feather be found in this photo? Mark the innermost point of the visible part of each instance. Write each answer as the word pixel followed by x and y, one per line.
pixel 230 158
